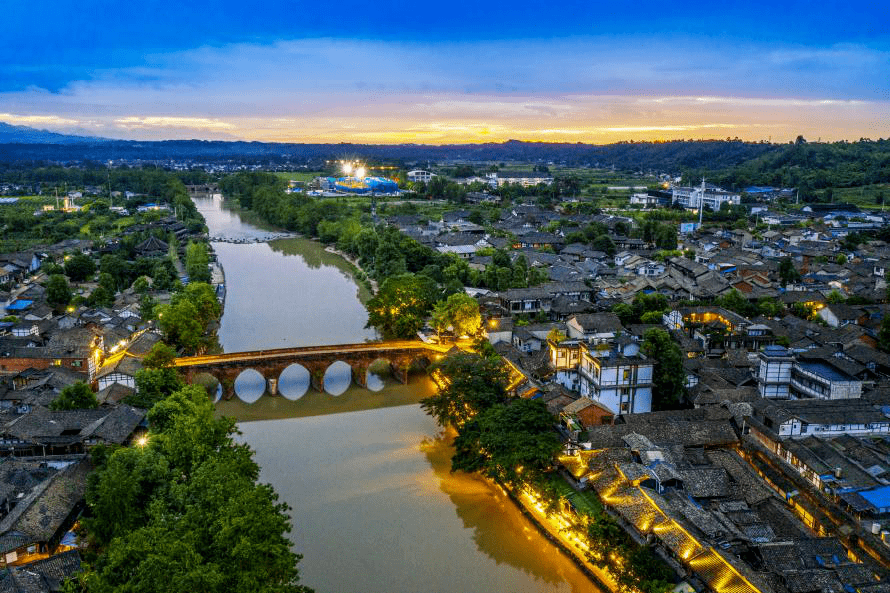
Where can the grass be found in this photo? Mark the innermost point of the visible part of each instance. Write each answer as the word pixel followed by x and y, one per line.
pixel 865 196
pixel 298 175
pixel 585 502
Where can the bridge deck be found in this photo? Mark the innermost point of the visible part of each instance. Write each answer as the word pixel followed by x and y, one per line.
pixel 381 347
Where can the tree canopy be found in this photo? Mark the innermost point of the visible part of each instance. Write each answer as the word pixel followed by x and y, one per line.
pixel 512 442
pixel 669 379
pixel 471 384
pixel 76 396
pixel 185 512
pixel 401 305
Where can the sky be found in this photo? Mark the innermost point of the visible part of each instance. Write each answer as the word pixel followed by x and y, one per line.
pixel 448 72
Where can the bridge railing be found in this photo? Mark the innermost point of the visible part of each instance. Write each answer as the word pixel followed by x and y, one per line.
pixel 307 350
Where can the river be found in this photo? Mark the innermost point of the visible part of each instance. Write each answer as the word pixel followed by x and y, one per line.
pixel 366 473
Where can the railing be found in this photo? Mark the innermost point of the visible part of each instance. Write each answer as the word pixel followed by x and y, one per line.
pixel 309 350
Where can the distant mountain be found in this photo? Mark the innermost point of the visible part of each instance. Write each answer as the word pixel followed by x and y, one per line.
pixel 10 134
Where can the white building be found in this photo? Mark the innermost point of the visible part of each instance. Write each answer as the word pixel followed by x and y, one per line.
pixel 523 178
pixel 419 175
pixel 712 197
pixel 784 376
pixel 623 384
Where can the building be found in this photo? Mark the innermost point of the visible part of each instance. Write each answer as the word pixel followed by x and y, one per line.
pixel 420 176
pixel 523 178
pixel 774 375
pixel 621 383
pixel 783 375
pixel 712 197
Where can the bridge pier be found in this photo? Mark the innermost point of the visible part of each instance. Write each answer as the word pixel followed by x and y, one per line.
pixel 318 380
pixel 399 372
pixel 360 375
pixel 272 386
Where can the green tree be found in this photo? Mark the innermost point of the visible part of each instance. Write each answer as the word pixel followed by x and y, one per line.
pixel 196 262
pixel 512 442
pixel 787 272
pixel 841 259
pixel 185 512
pixel 101 297
pixel 140 285
pixel 401 305
pixel 76 396
pixel 79 267
pixel 469 384
pixel 669 377
pixel 884 334
pixel 556 336
pixel 58 293
pixel 462 314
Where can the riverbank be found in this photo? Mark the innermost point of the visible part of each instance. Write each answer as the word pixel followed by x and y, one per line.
pixel 372 284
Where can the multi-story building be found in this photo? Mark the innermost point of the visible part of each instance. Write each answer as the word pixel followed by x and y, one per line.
pixel 419 175
pixel 774 376
pixel 621 383
pixel 712 197
pixel 785 376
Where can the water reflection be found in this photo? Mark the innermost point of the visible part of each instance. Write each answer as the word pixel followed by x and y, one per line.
pixel 477 501
pixel 293 383
pixel 313 403
pixel 337 378
pixel 250 386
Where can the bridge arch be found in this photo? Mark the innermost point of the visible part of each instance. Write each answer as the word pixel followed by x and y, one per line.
pixel 337 378
pixel 294 381
pixel 250 385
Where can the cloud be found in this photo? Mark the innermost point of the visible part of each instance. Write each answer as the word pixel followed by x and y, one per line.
pixel 573 89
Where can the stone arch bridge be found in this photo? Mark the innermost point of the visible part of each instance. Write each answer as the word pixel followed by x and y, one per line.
pixel 401 355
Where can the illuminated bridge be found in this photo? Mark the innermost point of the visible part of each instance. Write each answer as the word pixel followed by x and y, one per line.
pixel 226 368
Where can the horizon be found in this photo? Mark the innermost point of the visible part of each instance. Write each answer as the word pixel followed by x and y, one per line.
pixel 474 74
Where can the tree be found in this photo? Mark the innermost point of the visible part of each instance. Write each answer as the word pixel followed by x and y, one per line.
pixel 841 259
pixel 196 262
pixel 470 384
pixel 669 377
pixel 401 305
pixel 185 512
pixel 512 442
pixel 884 334
pixel 556 336
pixel 140 285
pixel 79 267
pixel 58 293
pixel 101 297
pixel 76 396
pixel 461 312
pixel 787 272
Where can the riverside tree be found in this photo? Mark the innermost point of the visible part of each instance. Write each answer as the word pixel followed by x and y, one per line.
pixel 185 512
pixel 471 384
pixel 512 442
pixel 402 304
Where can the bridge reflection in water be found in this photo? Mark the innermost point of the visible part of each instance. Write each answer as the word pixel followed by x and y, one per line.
pixel 290 371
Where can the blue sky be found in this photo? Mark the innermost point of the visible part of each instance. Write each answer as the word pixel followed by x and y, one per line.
pixel 439 72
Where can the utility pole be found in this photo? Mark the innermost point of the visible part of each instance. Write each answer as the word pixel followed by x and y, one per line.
pixel 701 202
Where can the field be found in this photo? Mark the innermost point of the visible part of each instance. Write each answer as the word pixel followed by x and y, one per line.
pixel 866 196
pixel 298 175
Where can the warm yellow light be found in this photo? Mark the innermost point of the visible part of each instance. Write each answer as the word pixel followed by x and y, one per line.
pixel 142 441
pixel 360 173
pixel 347 168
